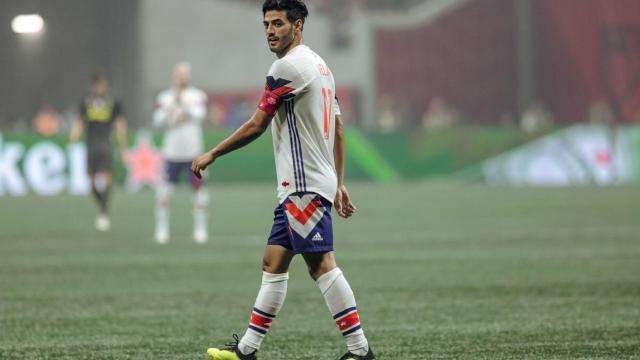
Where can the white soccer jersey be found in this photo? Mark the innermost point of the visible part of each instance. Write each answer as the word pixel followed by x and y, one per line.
pixel 182 122
pixel 303 128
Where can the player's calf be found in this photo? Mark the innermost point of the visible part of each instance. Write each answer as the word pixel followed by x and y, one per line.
pixel 342 304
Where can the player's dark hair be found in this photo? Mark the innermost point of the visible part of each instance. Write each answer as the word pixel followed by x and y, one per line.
pixel 296 9
pixel 98 77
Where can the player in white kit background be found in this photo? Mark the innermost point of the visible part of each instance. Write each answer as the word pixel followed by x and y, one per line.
pixel 299 102
pixel 180 112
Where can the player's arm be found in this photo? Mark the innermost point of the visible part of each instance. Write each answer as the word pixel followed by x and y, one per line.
pixel 159 118
pixel 161 114
pixel 277 89
pixel 197 111
pixel 342 203
pixel 338 150
pixel 121 136
pixel 77 127
pixel 249 131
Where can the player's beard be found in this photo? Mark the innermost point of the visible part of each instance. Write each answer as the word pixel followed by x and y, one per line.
pixel 285 43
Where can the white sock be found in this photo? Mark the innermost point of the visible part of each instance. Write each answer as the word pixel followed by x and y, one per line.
pixel 342 304
pixel 163 198
pixel 268 303
pixel 200 205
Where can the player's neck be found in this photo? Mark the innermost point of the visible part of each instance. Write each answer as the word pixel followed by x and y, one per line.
pixel 180 88
pixel 294 44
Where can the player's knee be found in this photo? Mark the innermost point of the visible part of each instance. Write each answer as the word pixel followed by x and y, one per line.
pixel 271 268
pixel 314 272
pixel 163 193
pixel 101 182
pixel 267 265
pixel 317 270
pixel 319 264
pixel 274 266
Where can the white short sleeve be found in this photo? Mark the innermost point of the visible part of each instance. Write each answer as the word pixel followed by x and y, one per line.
pixel 285 80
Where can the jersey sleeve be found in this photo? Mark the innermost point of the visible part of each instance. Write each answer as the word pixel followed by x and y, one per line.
pixel 284 81
pixel 160 116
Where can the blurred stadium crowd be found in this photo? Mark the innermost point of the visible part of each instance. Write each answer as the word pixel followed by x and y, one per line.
pixel 412 64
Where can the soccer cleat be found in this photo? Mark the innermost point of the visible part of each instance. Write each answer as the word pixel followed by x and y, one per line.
pixel 351 356
pixel 230 352
pixel 162 237
pixel 103 223
pixel 200 236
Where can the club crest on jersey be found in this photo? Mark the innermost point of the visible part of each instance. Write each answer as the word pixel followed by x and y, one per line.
pixel 304 213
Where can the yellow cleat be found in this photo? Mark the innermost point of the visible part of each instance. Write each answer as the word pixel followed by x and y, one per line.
pixel 230 352
pixel 217 354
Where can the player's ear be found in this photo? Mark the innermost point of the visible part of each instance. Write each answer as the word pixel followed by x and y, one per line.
pixel 298 25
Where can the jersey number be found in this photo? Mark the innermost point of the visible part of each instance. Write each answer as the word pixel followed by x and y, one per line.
pixel 327 109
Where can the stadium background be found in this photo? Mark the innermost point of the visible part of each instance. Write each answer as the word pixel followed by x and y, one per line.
pixel 493 149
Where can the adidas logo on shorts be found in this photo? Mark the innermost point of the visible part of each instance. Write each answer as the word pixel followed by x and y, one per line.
pixel 317 237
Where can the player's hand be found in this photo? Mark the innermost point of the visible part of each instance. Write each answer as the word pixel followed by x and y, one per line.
pixel 342 203
pixel 181 117
pixel 177 114
pixel 200 164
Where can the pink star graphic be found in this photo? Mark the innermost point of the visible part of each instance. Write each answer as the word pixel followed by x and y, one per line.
pixel 144 165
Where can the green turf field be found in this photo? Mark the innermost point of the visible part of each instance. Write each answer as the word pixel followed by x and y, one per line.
pixel 440 272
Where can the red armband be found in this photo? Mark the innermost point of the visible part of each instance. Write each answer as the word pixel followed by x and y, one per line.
pixel 270 102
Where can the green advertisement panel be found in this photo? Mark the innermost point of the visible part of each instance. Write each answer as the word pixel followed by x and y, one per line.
pixel 578 155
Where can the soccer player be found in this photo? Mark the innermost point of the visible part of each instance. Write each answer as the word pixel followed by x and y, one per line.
pixel 99 112
pixel 299 103
pixel 180 112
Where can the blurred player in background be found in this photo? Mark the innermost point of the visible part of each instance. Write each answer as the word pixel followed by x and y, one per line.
pixel 99 113
pixel 180 112
pixel 307 132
